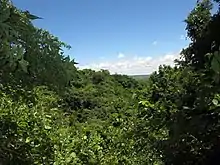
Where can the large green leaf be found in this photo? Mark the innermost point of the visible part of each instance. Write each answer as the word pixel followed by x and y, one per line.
pixel 31 16
pixel 215 63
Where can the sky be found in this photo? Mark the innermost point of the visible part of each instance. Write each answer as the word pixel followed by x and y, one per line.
pixel 123 36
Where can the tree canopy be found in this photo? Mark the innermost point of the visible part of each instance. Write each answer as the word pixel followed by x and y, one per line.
pixel 53 113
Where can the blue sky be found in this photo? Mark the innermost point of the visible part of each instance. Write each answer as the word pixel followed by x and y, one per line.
pixel 106 32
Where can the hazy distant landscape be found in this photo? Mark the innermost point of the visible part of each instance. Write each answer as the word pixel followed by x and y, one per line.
pixel 140 77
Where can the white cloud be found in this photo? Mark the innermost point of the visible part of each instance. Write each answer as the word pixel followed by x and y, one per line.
pixel 121 55
pixel 135 65
pixel 154 43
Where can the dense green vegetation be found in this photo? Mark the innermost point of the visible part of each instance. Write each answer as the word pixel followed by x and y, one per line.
pixel 53 113
pixel 140 77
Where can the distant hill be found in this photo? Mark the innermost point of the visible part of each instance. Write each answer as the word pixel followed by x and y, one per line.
pixel 140 77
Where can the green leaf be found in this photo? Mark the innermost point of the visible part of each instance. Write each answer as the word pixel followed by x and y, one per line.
pixel 73 155
pixel 27 140
pixel 31 16
pixel 48 116
pixel 215 102
pixel 209 55
pixel 215 65
pixel 47 127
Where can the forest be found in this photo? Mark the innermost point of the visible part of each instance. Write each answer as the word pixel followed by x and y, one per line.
pixel 52 113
